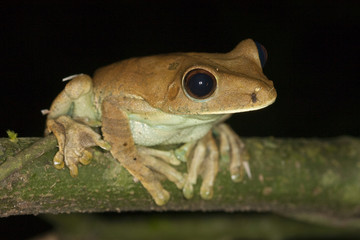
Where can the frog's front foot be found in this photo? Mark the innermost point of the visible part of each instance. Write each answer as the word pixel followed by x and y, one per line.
pixel 203 160
pixel 73 140
pixel 233 148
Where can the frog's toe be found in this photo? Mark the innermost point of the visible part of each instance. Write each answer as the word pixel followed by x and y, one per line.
pixel 73 156
pixel 86 157
pixel 73 169
pixel 162 198
pixel 103 144
pixel 58 160
pixel 210 170
pixel 237 177
pixel 236 168
pixel 166 156
pixel 188 190
pixel 239 163
pixel 206 192
pixel 183 153
pixel 158 193
pixel 163 168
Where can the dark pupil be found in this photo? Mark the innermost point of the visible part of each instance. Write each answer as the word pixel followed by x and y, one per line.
pixel 200 84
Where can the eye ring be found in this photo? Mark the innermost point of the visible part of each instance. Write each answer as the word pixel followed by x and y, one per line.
pixel 199 83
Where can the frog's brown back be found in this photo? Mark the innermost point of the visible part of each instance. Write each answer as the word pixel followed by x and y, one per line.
pixel 146 77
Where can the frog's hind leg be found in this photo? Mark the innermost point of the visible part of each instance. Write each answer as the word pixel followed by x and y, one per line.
pixel 116 130
pixel 158 160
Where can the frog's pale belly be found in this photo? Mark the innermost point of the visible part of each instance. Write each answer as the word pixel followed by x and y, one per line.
pixel 147 135
pixel 155 127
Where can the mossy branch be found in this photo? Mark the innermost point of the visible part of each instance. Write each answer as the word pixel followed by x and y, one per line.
pixel 299 177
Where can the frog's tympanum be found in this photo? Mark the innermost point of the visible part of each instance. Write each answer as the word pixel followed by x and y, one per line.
pixel 155 112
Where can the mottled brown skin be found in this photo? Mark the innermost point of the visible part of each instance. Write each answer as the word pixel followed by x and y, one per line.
pixel 142 102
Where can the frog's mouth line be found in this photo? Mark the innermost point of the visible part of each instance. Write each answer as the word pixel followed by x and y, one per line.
pixel 241 110
pixel 247 109
pixel 205 118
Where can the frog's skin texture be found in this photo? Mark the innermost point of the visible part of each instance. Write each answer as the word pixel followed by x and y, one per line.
pixel 145 103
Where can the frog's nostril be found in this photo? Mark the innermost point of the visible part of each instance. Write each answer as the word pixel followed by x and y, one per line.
pixel 254 97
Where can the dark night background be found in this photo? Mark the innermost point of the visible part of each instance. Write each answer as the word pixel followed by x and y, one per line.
pixel 313 49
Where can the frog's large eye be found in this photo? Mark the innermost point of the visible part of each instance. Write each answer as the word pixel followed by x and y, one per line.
pixel 199 83
pixel 262 53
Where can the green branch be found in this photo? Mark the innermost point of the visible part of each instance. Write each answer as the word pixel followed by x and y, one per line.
pixel 305 178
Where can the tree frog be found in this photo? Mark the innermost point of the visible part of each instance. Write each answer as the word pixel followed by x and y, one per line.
pixel 154 112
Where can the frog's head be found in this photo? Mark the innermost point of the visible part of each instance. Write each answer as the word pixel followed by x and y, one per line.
pixel 204 83
pixel 194 83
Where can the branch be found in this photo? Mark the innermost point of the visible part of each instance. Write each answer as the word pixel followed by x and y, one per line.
pixel 305 178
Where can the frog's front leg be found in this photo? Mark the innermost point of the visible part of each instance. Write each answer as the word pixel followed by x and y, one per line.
pixel 74 136
pixel 233 148
pixel 140 163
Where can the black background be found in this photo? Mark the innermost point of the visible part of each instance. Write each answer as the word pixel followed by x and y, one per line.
pixel 313 49
pixel 313 54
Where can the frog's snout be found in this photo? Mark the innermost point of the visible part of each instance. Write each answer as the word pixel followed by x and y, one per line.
pixel 263 95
